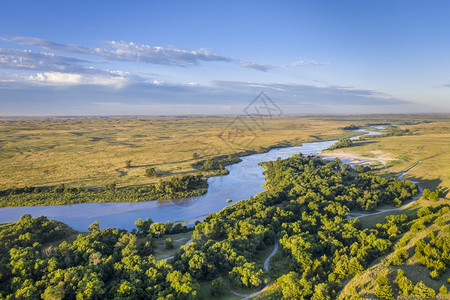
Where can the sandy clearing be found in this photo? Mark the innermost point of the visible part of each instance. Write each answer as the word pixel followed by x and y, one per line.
pixel 355 159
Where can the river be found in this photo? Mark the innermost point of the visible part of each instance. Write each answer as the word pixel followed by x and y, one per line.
pixel 244 180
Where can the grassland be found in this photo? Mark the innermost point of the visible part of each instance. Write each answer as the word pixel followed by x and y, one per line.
pixel 429 144
pixel 92 151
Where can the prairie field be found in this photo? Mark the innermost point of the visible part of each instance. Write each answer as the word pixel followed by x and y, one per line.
pixel 92 152
pixel 429 144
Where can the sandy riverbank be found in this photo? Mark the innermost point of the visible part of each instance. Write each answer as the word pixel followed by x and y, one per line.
pixel 355 159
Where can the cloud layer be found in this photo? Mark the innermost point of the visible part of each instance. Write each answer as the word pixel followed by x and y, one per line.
pixel 132 52
pixel 64 78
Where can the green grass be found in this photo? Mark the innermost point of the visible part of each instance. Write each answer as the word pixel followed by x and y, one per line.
pixel 159 244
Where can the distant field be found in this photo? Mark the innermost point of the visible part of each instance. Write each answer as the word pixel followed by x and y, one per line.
pixel 429 144
pixel 91 152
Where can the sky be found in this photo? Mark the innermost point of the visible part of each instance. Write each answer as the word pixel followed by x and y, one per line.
pixel 210 57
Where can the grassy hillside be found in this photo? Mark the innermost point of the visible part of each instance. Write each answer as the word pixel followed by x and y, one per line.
pixel 437 224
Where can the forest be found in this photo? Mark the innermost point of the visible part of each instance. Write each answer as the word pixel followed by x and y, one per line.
pixel 305 207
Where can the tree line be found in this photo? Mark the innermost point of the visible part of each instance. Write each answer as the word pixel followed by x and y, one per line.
pixel 175 187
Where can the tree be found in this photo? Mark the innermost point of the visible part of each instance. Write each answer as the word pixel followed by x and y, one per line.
pixel 404 284
pixel 217 287
pixel 143 226
pixel 421 291
pixel 151 172
pixel 169 243
pixel 94 226
pixel 195 155
pixel 158 229
pixel 128 163
pixel 383 288
pixel 294 287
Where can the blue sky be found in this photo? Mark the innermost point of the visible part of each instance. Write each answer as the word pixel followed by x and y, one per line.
pixel 210 57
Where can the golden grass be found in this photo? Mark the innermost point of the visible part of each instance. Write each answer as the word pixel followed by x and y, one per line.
pixel 93 151
pixel 429 144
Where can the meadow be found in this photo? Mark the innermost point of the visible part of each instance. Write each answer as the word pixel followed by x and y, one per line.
pixel 428 144
pixel 92 152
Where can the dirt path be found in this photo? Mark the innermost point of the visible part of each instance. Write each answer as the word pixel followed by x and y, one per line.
pixel 400 177
pixel 266 267
pixel 267 261
pixel 170 257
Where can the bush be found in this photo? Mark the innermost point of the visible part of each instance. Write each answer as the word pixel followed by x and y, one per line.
pixel 383 288
pixel 399 258
pixel 421 291
pixel 404 284
pixel 342 143
pixel 151 172
pixel 169 243
pixel 128 163
pixel 217 287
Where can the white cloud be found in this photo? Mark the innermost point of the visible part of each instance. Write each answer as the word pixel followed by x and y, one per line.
pixel 129 51
pixel 300 63
pixel 67 79
pixel 29 60
pixel 259 67
pixel 157 82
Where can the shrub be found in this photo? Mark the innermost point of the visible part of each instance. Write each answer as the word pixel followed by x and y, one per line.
pixel 404 284
pixel 383 288
pixel 217 287
pixel 421 291
pixel 169 243
pixel 151 172
pixel 128 163
pixel 399 258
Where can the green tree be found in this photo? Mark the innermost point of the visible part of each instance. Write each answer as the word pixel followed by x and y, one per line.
pixel 128 163
pixel 383 289
pixel 421 291
pixel 143 226
pixel 151 172
pixel 169 243
pixel 158 229
pixel 217 287
pixel 94 226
